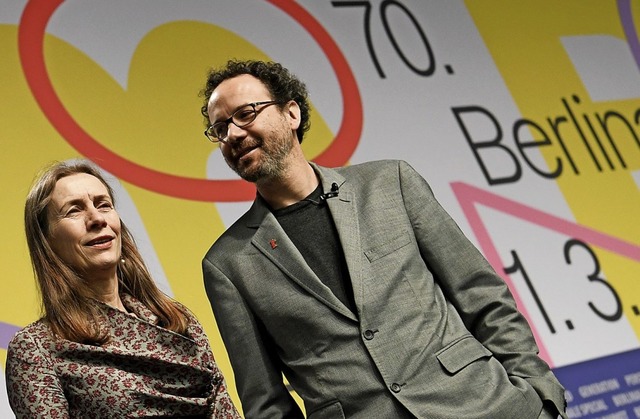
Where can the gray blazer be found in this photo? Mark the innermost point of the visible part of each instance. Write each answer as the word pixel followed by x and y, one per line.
pixel 436 333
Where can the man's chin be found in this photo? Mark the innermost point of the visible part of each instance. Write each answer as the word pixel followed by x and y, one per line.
pixel 258 171
pixel 247 174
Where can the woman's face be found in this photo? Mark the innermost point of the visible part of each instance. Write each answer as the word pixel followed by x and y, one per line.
pixel 84 227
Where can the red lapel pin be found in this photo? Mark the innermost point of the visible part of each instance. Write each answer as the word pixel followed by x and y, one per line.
pixel 273 243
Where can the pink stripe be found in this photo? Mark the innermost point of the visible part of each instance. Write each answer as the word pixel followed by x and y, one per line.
pixel 469 196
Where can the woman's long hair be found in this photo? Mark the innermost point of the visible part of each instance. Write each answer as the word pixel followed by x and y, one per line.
pixel 68 303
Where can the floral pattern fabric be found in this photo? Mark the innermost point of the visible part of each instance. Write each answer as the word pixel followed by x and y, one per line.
pixel 143 371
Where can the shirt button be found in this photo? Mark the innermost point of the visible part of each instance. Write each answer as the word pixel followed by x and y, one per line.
pixel 395 387
pixel 368 334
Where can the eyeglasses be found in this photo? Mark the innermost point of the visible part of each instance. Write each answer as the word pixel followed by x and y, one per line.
pixel 242 117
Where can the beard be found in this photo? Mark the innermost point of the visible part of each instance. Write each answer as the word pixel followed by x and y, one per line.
pixel 269 164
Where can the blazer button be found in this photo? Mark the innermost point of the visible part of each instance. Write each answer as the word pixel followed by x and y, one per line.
pixel 395 387
pixel 368 334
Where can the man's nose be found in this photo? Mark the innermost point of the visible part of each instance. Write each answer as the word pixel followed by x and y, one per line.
pixel 235 134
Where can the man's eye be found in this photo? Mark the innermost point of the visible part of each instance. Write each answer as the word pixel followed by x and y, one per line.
pixel 220 130
pixel 244 114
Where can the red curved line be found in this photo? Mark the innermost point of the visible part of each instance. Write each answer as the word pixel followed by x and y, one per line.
pixel 31 50
pixel 346 141
pixel 31 34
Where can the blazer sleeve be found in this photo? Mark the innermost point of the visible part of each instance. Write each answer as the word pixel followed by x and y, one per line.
pixel 480 296
pixel 32 385
pixel 253 357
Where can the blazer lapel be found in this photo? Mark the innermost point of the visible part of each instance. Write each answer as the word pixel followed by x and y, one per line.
pixel 272 241
pixel 345 216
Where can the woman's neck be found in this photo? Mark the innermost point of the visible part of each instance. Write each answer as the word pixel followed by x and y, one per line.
pixel 107 290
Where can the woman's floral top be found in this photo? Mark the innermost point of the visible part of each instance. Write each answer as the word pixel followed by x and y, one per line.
pixel 144 371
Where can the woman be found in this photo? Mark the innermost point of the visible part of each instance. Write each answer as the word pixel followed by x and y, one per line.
pixel 110 343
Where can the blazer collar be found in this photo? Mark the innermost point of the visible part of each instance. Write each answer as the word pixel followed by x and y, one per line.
pixel 259 210
pixel 271 240
pixel 346 218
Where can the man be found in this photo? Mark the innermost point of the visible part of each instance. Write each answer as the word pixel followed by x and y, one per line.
pixel 354 282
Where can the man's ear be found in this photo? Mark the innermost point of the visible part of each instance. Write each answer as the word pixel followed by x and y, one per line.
pixel 292 110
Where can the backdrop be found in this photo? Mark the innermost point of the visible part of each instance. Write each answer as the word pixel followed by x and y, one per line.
pixel 524 117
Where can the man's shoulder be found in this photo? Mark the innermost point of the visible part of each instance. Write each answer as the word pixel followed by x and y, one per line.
pixel 371 166
pixel 374 169
pixel 233 237
pixel 374 164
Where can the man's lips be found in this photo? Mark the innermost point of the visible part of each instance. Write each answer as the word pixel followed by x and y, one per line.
pixel 241 153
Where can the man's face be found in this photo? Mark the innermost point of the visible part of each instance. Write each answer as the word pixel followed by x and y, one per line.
pixel 259 150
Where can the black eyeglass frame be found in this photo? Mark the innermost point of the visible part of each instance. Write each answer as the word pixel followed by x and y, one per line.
pixel 215 139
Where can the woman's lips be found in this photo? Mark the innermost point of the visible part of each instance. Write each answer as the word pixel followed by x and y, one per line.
pixel 100 241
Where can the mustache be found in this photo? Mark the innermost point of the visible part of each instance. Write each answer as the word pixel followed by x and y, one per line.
pixel 241 147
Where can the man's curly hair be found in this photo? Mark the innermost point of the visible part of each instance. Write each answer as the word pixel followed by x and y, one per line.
pixel 282 85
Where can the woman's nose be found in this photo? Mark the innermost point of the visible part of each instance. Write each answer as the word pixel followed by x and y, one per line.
pixel 95 218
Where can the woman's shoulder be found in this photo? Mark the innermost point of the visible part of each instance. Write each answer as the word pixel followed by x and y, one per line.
pixel 31 338
pixel 36 330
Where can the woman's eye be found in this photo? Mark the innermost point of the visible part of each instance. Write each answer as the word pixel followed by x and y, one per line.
pixel 72 211
pixel 105 206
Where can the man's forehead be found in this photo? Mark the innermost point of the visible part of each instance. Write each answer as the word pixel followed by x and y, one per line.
pixel 244 83
pixel 238 90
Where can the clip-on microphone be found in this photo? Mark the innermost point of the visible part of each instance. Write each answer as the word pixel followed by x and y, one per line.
pixel 335 189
